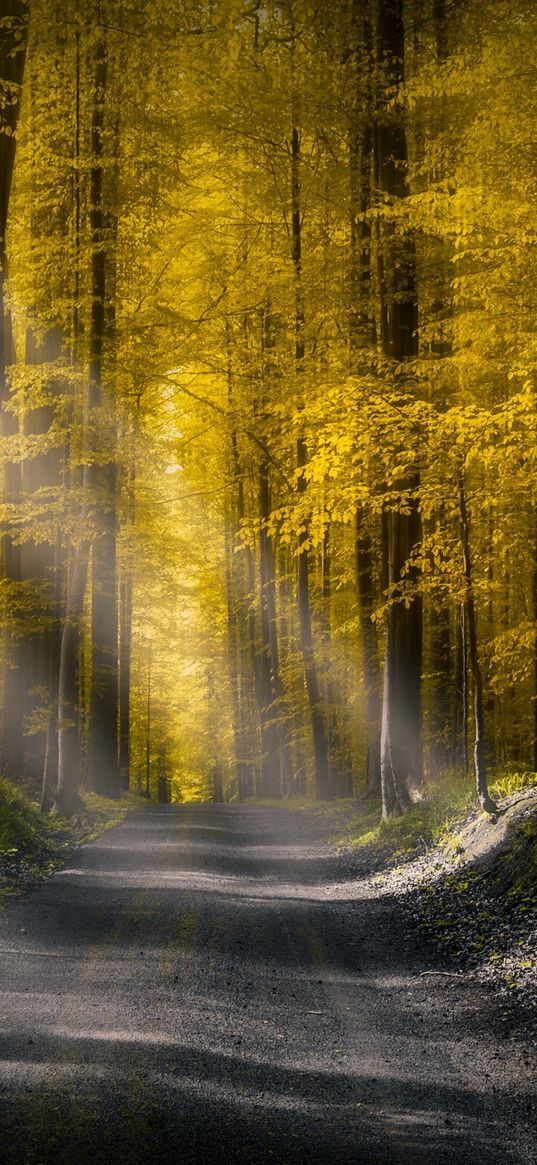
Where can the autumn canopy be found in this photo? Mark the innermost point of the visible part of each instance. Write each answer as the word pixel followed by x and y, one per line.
pixel 268 376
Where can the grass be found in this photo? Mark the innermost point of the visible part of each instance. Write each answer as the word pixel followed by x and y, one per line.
pixel 21 826
pixel 432 820
pixel 32 844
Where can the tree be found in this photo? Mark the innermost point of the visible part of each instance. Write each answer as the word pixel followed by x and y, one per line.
pixel 401 747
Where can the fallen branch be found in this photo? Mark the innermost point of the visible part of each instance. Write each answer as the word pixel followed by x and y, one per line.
pixel 451 974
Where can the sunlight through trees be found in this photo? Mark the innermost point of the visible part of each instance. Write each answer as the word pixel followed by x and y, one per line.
pixel 268 396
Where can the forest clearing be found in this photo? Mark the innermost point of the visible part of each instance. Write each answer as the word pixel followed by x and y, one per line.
pixel 268 579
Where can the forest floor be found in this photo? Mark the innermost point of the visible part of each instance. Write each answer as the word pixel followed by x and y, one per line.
pixel 473 892
pixel 220 983
pixel 33 846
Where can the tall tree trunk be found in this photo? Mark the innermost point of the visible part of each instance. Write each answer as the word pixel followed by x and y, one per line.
pixel 103 744
pixel 241 623
pixel 534 600
pixel 443 701
pixel 401 748
pixel 243 764
pixel 125 677
pixel 461 719
pixel 362 344
pixel 50 760
pixel 125 622
pixel 12 59
pixel 320 742
pixel 65 796
pixel 480 765
pixel 148 726
pixel 67 749
pixel 370 650
pixel 267 577
pixel 340 769
pixel 40 561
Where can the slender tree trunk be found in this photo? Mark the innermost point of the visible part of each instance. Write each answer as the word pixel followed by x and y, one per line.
pixel 241 623
pixel 401 758
pixel 534 597
pixel 362 343
pixel 480 766
pixel 103 743
pixel 50 762
pixel 12 59
pixel 320 742
pixel 148 727
pixel 340 769
pixel 462 722
pixel 67 724
pixel 441 668
pixel 125 625
pixel 267 577
pixel 370 651
pixel 40 563
pixel 125 678
pixel 242 763
pixel 66 797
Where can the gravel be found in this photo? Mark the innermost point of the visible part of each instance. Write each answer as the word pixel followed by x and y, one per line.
pixel 217 984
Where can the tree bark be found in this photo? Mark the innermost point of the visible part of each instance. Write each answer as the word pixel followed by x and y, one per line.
pixel 125 677
pixel 13 44
pixel 362 344
pixel 401 755
pixel 241 622
pixel 40 561
pixel 534 600
pixel 370 650
pixel 103 743
pixel 480 765
pixel 323 788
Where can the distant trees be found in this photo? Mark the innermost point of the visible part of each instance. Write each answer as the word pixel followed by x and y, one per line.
pixel 268 396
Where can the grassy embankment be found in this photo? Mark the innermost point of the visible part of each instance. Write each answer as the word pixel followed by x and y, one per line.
pixel 480 912
pixel 33 845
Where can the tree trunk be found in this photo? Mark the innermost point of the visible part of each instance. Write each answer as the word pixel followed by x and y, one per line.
pixel 534 599
pixel 68 728
pixel 267 577
pixel 480 766
pixel 362 344
pixel 320 743
pixel 370 651
pixel 340 768
pixel 401 757
pixel 40 560
pixel 148 727
pixel 12 59
pixel 463 676
pixel 241 622
pixel 125 677
pixel 103 743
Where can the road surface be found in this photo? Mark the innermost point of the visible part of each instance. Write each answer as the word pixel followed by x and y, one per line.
pixel 204 985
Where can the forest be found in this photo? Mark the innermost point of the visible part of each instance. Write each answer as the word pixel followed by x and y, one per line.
pixel 267 373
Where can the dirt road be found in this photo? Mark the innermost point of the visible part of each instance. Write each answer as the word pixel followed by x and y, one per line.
pixel 212 984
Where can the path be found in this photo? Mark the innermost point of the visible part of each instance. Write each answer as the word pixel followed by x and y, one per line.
pixel 203 986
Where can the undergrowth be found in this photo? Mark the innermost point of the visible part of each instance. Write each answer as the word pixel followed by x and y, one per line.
pixel 430 821
pixel 32 845
pixel 21 826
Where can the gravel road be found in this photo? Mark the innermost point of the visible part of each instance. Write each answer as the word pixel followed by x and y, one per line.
pixel 213 984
